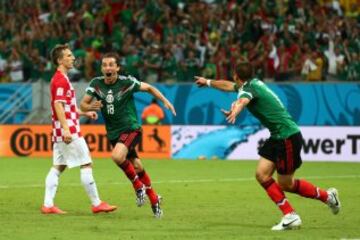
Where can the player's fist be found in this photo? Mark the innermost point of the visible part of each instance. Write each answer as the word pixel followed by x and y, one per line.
pixel 92 115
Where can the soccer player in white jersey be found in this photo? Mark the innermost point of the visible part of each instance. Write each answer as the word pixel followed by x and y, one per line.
pixel 70 149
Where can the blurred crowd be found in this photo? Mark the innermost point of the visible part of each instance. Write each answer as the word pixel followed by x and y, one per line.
pixel 174 40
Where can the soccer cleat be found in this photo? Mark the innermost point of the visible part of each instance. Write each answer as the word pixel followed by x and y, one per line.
pixel 333 200
pixel 140 196
pixel 103 207
pixel 52 210
pixel 288 222
pixel 156 208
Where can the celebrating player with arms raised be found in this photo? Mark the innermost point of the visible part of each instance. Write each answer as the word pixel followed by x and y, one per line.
pixel 113 95
pixel 281 152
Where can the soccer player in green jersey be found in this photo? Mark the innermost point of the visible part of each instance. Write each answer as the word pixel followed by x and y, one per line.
pixel 113 95
pixel 280 152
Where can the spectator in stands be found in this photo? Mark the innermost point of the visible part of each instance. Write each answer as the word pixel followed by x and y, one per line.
pixel 119 25
pixel 16 67
pixel 335 61
pixel 313 67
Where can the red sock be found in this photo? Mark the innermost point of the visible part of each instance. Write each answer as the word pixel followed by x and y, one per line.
pixel 277 196
pixel 306 189
pixel 145 179
pixel 129 171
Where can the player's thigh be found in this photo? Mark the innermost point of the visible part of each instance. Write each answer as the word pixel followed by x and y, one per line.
pixel 77 153
pixel 119 152
pixel 265 169
pixel 58 157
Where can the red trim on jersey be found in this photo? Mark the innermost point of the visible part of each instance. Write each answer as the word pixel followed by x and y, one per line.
pixel 289 156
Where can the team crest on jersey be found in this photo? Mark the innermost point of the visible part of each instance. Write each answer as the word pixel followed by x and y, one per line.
pixel 68 93
pixel 109 97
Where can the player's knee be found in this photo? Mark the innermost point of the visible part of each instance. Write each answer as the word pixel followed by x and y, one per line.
pixel 261 177
pixel 118 158
pixel 286 185
pixel 137 165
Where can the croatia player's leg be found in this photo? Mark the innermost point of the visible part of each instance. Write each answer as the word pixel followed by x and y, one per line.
pixel 51 185
pixel 88 181
pixel 145 179
pixel 78 154
pixel 264 172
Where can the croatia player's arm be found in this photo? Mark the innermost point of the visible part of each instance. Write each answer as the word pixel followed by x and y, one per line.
pixel 223 85
pixel 60 114
pixel 145 87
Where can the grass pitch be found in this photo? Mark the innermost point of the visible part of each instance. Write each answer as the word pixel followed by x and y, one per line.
pixel 202 200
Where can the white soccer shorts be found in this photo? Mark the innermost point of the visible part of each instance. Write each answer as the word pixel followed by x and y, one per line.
pixel 73 154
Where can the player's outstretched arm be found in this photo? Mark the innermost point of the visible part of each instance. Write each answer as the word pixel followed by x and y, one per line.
pixel 223 85
pixel 145 87
pixel 236 108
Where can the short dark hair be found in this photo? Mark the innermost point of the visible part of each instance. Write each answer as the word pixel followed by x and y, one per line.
pixel 244 70
pixel 58 52
pixel 112 55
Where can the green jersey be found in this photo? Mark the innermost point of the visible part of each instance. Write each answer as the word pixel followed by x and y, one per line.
pixel 266 106
pixel 118 109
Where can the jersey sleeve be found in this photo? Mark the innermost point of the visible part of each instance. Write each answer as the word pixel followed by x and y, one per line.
pixel 91 90
pixel 61 90
pixel 246 92
pixel 134 84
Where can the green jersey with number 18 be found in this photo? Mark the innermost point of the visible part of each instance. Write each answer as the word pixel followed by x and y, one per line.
pixel 118 109
pixel 266 106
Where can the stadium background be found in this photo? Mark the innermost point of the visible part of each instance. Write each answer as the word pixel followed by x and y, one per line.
pixel 307 51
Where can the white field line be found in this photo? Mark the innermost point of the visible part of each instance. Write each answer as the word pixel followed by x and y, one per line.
pixel 213 180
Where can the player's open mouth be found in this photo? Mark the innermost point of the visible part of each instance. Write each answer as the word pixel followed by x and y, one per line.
pixel 109 74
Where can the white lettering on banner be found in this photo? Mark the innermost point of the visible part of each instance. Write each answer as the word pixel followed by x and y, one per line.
pixel 343 144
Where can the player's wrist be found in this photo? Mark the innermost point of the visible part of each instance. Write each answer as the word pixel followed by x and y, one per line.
pixel 208 82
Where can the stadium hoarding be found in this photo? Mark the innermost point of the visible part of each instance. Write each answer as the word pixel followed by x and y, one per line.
pixel 35 141
pixel 242 143
pixel 189 142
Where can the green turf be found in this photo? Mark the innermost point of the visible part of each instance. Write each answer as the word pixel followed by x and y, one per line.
pixel 203 200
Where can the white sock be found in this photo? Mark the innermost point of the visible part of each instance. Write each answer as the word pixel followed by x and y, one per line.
pixel 51 184
pixel 88 181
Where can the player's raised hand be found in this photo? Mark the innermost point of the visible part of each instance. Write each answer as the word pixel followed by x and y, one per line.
pixel 169 106
pixel 200 81
pixel 96 105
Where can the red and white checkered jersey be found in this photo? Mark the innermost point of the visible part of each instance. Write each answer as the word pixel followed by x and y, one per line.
pixel 61 90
